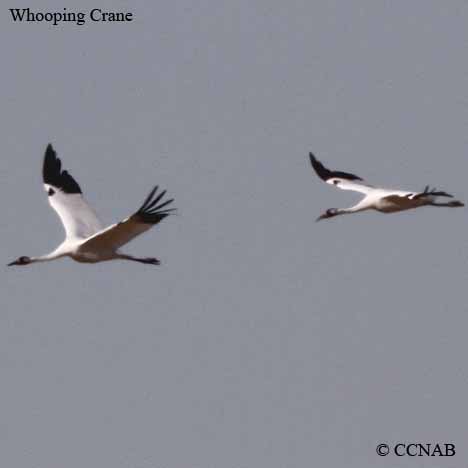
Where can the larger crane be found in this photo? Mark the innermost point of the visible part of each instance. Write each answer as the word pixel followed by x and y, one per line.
pixel 86 240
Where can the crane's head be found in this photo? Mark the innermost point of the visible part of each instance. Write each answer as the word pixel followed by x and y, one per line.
pixel 21 261
pixel 329 214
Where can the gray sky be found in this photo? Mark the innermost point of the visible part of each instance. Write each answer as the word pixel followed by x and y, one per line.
pixel 264 340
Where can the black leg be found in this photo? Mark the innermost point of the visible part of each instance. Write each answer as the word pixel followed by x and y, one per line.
pixel 147 260
pixel 452 204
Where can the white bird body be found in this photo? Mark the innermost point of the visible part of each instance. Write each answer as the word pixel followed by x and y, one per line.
pixel 377 198
pixel 86 240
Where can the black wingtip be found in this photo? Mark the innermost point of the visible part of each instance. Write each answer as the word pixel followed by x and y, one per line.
pixel 326 174
pixel 152 213
pixel 319 168
pixel 50 153
pixel 52 173
pixel 432 192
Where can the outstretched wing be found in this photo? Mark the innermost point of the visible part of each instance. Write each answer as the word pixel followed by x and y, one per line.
pixel 149 214
pixel 65 197
pixel 342 180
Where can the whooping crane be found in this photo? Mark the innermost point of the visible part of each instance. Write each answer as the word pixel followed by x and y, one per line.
pixel 86 240
pixel 375 198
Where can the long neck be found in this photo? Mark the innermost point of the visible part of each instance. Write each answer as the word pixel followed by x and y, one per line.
pixel 47 258
pixel 361 206
pixel 344 211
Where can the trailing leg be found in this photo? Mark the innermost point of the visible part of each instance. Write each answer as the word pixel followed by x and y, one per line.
pixel 452 204
pixel 146 260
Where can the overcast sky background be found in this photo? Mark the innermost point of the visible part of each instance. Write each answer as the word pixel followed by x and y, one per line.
pixel 264 340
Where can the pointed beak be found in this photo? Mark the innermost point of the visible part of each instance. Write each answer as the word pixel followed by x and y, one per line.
pixel 320 218
pixel 13 263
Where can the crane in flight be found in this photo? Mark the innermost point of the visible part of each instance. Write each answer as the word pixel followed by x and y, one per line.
pixel 377 198
pixel 86 240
